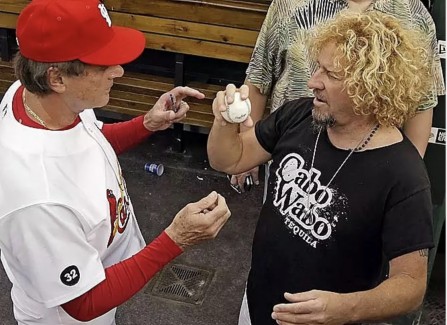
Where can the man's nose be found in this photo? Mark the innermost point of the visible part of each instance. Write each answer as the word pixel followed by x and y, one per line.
pixel 116 71
pixel 315 81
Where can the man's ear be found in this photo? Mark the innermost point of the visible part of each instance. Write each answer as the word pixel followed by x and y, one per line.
pixel 55 80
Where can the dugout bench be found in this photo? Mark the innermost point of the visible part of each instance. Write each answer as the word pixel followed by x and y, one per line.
pixel 220 32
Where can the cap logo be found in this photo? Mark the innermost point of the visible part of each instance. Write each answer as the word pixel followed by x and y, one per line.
pixel 105 14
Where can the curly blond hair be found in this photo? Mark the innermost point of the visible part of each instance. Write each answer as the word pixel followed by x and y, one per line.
pixel 384 66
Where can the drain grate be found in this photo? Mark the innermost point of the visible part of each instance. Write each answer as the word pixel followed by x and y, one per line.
pixel 182 283
pixel 434 311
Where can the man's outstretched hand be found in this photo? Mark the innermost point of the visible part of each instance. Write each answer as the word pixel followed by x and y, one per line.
pixel 199 221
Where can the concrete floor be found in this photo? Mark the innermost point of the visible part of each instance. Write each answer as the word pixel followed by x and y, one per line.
pixel 156 200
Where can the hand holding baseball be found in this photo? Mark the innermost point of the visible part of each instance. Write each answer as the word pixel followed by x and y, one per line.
pixel 233 106
pixel 170 108
pixel 199 221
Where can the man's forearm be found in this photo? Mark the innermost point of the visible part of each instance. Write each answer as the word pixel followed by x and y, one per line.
pixel 224 147
pixel 123 280
pixel 125 135
pixel 401 293
pixel 391 298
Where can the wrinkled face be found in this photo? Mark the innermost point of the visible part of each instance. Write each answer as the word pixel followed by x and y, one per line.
pixel 92 88
pixel 332 104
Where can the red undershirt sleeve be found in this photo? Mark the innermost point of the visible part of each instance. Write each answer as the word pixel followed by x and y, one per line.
pixel 123 280
pixel 126 135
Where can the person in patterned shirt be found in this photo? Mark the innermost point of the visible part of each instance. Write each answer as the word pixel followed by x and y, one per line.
pixel 280 65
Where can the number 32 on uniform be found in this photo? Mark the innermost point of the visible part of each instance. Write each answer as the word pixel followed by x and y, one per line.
pixel 70 275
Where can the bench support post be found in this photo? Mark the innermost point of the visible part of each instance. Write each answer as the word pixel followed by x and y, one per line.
pixel 5 44
pixel 179 145
pixel 179 69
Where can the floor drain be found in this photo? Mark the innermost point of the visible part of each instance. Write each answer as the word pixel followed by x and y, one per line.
pixel 182 283
pixel 434 311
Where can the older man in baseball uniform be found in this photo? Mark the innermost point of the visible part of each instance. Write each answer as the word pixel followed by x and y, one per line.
pixel 69 238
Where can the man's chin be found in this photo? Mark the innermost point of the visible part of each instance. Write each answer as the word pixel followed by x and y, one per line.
pixel 103 102
pixel 321 121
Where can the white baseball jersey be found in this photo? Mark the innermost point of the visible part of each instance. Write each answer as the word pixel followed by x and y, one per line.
pixel 65 215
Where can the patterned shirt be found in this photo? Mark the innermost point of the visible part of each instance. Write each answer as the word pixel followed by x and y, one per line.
pixel 280 65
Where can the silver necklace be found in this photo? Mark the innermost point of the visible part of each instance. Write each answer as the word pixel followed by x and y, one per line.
pixel 31 112
pixel 362 144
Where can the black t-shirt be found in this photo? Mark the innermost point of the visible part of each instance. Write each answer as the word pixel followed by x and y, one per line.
pixel 378 205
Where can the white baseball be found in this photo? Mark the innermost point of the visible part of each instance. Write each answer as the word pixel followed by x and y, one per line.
pixel 238 111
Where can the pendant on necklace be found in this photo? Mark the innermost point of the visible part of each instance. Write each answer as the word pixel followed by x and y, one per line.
pixel 309 217
pixel 306 211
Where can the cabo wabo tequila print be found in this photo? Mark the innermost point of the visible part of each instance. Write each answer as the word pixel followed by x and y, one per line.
pixel 307 206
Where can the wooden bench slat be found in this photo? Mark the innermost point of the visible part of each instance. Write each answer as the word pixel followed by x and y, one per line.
pixel 4 85
pixel 13 5
pixel 8 20
pixel 192 118
pixel 146 81
pixel 7 75
pixel 144 102
pixel 209 95
pixel 142 87
pixel 247 16
pixel 136 91
pixel 6 68
pixel 233 4
pixel 203 108
pixel 5 64
pixel 143 99
pixel 121 110
pixel 200 48
pixel 144 84
pixel 178 28
pixel 198 121
pixel 149 77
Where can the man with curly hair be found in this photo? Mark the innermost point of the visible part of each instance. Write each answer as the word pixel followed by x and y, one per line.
pixel 280 65
pixel 347 191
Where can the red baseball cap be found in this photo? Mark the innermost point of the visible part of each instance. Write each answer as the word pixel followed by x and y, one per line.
pixel 66 30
